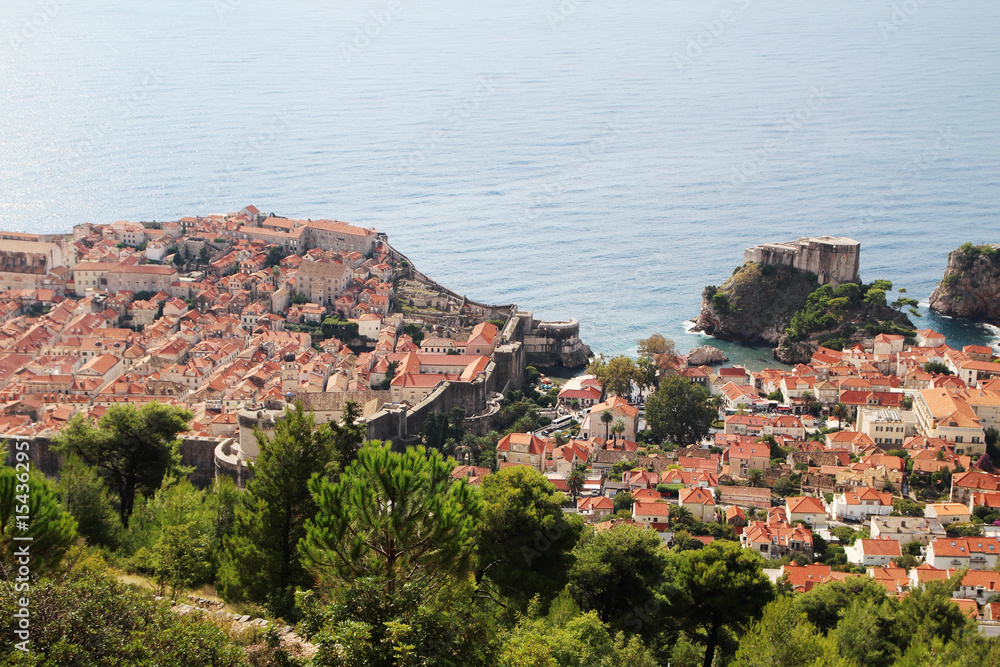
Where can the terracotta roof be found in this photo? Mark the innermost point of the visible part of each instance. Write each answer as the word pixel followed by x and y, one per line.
pixel 880 548
pixel 805 505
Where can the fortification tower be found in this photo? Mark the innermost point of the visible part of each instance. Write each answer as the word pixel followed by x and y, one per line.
pixel 834 259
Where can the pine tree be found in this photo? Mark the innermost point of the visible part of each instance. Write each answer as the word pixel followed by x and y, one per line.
pixel 261 561
pixel 399 519
pixel 52 529
pixel 131 448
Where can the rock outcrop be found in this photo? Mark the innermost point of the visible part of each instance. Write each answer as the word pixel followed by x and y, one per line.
pixel 970 288
pixel 765 304
pixel 705 354
pixel 756 303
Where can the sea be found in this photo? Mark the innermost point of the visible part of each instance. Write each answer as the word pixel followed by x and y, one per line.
pixel 581 158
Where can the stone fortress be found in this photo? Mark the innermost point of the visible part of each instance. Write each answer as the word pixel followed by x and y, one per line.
pixel 834 259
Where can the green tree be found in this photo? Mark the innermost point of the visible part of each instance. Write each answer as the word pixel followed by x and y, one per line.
pixel 783 487
pixel 566 636
pixel 261 561
pixel 755 478
pixel 181 557
pixel 659 352
pixel 782 636
pixel 524 539
pixel 647 374
pixel 902 301
pixel 616 375
pixel 390 373
pixel 52 530
pixel 623 500
pixel 606 419
pixel 274 256
pixel 679 411
pixel 340 329
pixel 618 428
pixel 87 498
pixel 397 518
pixel 681 516
pixel 719 586
pixel 203 255
pixel 937 368
pixel 864 634
pixel 906 507
pixel 362 627
pixel 825 605
pixel 575 480
pixel 347 435
pixel 655 346
pixel 89 618
pixel 618 573
pixel 131 448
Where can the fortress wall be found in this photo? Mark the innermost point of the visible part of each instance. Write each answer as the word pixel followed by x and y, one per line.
pixel 832 259
pixel 40 454
pixel 200 453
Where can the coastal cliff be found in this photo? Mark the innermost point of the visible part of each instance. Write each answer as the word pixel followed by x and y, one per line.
pixel 787 308
pixel 755 305
pixel 970 288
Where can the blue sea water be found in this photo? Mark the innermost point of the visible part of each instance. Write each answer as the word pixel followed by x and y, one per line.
pixel 582 158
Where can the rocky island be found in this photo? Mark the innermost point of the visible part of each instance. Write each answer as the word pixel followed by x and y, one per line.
pixel 970 288
pixel 798 295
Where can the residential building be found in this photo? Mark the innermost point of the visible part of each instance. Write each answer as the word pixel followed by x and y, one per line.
pixel 774 539
pixel 322 282
pixel 906 529
pixel 947 513
pixel 522 448
pixel 860 504
pixel 807 509
pixel 594 427
pixel 596 508
pixel 873 553
pixel 943 414
pixel 746 457
pixel 651 514
pixel 976 553
pixel 883 425
pixel 699 502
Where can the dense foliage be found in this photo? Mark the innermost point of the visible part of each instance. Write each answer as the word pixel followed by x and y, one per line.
pixel 679 411
pixel 829 307
pixel 380 557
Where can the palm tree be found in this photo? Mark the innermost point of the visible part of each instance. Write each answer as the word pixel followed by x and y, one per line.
pixel 618 428
pixel 576 479
pixel 755 477
pixel 680 515
pixel 606 419
pixel 839 411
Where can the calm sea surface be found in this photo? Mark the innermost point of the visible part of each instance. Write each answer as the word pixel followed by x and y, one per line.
pixel 582 158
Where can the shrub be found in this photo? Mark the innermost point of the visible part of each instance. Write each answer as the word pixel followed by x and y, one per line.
pixel 720 302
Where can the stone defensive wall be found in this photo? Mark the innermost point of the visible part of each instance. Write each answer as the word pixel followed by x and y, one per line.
pixel 483 310
pixel 554 343
pixel 833 259
pixel 505 371
pixel 196 452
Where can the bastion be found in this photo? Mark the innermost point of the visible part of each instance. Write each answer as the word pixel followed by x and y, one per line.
pixel 834 259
